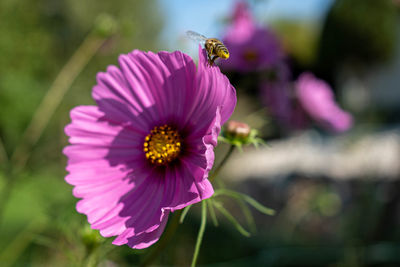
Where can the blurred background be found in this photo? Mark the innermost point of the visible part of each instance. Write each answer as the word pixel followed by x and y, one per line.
pixel 335 187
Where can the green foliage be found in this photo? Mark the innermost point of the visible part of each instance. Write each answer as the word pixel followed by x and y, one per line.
pixel 360 32
pixel 38 37
pixel 39 225
pixel 300 39
pixel 213 204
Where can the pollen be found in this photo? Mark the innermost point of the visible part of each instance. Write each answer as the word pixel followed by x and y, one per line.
pixel 162 145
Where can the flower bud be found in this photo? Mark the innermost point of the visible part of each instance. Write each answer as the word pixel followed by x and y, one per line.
pixel 90 238
pixel 239 130
pixel 105 25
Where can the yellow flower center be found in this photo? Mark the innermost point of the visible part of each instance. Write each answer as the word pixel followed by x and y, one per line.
pixel 162 145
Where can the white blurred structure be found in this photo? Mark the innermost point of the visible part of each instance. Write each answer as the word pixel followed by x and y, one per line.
pixel 368 157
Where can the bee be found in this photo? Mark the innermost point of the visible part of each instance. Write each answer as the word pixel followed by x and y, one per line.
pixel 214 47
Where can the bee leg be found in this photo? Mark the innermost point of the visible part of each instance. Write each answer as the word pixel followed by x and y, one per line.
pixel 209 56
pixel 212 60
pixel 209 60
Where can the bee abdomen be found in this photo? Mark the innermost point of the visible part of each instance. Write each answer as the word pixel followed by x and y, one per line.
pixel 222 47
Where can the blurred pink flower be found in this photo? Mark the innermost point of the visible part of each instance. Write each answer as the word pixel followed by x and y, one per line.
pixel 317 99
pixel 147 147
pixel 275 93
pixel 251 47
pixel 277 96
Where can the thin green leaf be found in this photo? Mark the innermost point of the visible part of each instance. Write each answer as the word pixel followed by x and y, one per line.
pixel 212 212
pixel 247 214
pixel 256 144
pixel 259 141
pixel 201 232
pixel 239 147
pixel 251 201
pixel 184 212
pixel 232 219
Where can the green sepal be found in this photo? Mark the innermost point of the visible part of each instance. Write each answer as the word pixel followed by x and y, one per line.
pixel 184 213
pixel 211 209
pixel 231 218
pixel 252 139
pixel 251 201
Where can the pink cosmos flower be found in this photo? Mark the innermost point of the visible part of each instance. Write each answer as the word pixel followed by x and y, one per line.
pixel 146 149
pixel 251 47
pixel 317 99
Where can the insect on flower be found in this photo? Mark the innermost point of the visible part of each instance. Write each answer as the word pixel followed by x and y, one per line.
pixel 214 47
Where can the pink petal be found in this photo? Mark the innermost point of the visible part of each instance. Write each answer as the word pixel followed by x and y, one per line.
pixel 317 99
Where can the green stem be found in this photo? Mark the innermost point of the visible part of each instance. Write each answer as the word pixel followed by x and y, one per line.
pixel 6 191
pixel 165 238
pixel 201 232
pixel 256 113
pixel 90 259
pixel 54 95
pixel 222 163
pixel 184 213
pixel 3 154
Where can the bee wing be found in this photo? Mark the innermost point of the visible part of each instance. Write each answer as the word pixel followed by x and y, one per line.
pixel 196 37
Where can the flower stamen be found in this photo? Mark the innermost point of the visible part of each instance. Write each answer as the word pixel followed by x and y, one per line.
pixel 162 145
